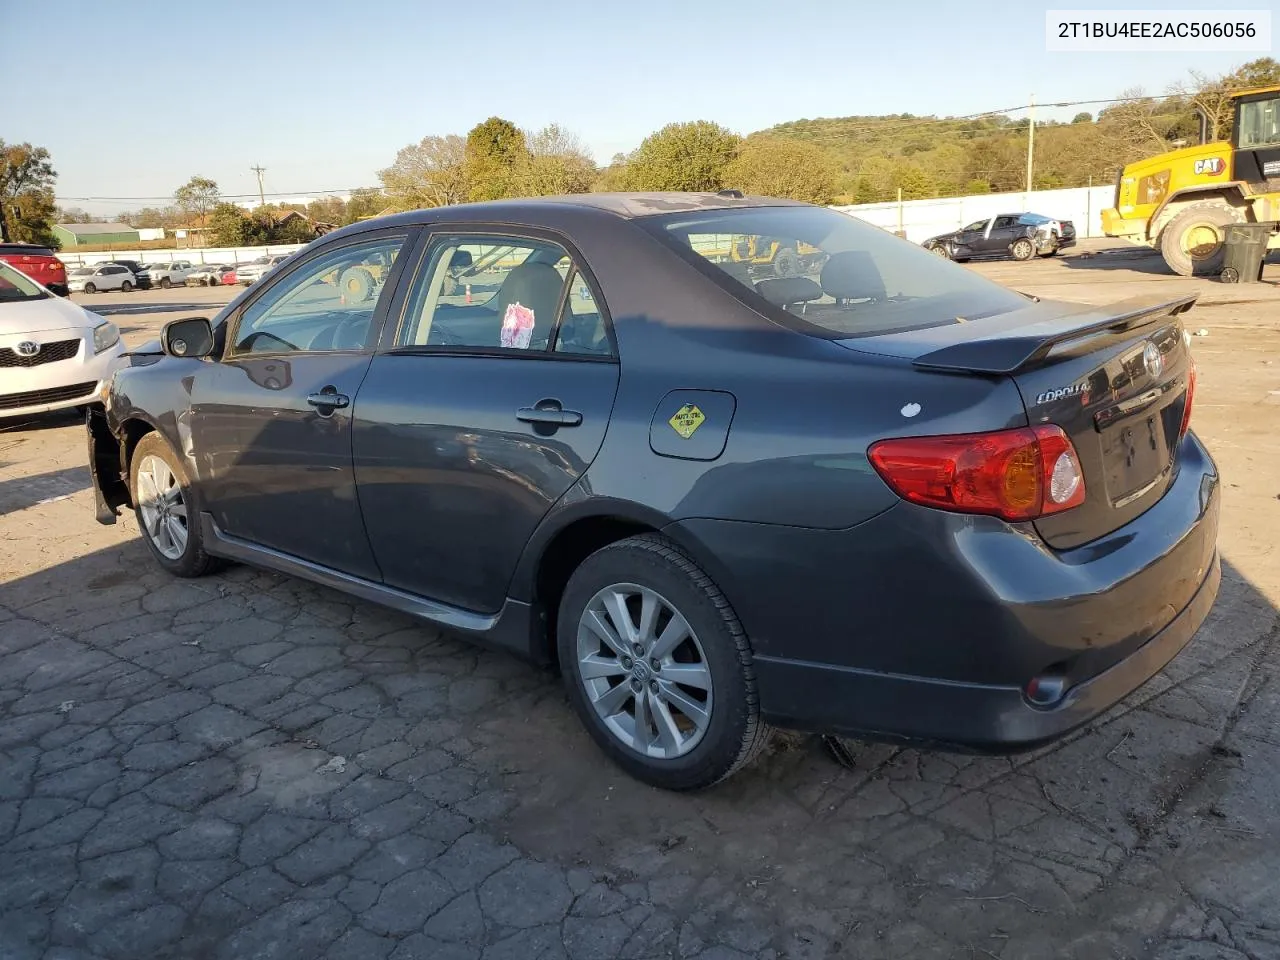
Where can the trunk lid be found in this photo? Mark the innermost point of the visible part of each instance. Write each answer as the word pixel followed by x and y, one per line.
pixel 1113 378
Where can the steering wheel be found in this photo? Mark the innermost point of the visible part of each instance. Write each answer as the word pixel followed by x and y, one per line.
pixel 351 333
pixel 249 342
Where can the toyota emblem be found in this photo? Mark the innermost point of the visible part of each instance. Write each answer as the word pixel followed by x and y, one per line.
pixel 1152 359
pixel 27 348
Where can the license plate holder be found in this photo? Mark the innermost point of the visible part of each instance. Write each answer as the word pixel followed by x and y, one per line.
pixel 1134 454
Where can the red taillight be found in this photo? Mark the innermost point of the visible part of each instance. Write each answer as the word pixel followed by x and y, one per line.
pixel 1017 474
pixel 1191 394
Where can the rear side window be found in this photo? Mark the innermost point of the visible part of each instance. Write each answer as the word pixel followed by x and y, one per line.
pixel 828 274
pixel 496 292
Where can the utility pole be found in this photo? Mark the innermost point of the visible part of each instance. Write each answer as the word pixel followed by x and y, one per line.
pixel 262 197
pixel 1031 144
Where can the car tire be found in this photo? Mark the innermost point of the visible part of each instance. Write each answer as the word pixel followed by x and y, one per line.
pixel 356 284
pixel 1022 249
pixel 1177 235
pixel 165 283
pixel 676 750
pixel 163 506
pixel 940 250
pixel 126 287
pixel 90 288
pixel 786 263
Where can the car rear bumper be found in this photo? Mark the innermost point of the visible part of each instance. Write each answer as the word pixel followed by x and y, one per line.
pixel 928 625
pixel 971 716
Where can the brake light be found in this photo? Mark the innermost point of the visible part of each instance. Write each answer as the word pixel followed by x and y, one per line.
pixel 1191 393
pixel 1017 474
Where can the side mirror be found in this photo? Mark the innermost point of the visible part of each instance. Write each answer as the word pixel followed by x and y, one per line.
pixel 189 337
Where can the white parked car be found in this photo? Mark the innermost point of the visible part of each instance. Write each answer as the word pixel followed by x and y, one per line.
pixel 207 274
pixel 175 274
pixel 53 353
pixel 99 277
pixel 255 270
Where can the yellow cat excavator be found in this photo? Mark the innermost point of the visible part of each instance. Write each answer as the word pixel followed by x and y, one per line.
pixel 1182 201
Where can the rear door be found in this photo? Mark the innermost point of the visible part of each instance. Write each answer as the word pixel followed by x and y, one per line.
pixel 484 405
pixel 1000 235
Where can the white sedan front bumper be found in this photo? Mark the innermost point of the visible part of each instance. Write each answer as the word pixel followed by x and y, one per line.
pixel 28 386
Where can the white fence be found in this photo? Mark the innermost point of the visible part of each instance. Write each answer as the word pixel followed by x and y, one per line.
pixel 228 255
pixel 922 219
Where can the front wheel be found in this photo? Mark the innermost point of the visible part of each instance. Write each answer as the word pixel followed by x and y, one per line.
pixel 1022 249
pixel 90 288
pixel 940 250
pixel 1193 243
pixel 163 507
pixel 657 665
pixel 126 287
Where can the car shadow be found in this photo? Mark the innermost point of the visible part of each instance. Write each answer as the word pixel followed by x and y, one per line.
pixel 1131 259
pixel 54 420
pixel 30 490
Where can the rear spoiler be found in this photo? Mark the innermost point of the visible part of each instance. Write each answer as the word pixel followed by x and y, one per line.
pixel 1029 346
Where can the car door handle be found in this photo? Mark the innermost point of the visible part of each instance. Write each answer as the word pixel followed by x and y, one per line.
pixel 549 413
pixel 332 401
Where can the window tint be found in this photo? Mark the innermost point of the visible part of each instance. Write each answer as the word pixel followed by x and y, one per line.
pixel 491 292
pixel 325 304
pixel 582 327
pixel 15 286
pixel 977 225
pixel 1003 223
pixel 828 273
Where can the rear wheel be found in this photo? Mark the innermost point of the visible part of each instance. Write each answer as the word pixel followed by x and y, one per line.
pixel 1022 249
pixel 1193 242
pixel 657 665
pixel 126 287
pixel 163 507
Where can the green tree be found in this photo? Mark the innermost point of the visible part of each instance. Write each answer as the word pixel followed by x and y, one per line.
pixel 1084 116
pixel 197 197
pixel 777 167
pixel 230 226
pixel 495 156
pixel 683 156
pixel 27 206
pixel 72 215
pixel 558 163
pixel 365 202
pixel 430 173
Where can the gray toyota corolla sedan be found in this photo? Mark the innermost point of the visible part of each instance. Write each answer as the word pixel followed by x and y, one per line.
pixel 729 462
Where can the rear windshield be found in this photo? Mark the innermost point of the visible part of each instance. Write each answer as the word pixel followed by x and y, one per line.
pixel 829 274
pixel 15 286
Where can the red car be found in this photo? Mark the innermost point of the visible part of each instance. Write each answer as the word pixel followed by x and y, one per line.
pixel 228 278
pixel 38 263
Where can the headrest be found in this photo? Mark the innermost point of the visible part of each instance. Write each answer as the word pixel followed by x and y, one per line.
pixel 785 290
pixel 852 275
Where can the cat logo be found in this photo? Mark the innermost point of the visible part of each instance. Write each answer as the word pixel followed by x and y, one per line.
pixel 686 420
pixel 1210 166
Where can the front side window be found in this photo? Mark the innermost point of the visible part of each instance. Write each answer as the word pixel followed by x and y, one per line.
pixel 327 303
pixel 1259 123
pixel 501 293
pixel 978 225
pixel 830 274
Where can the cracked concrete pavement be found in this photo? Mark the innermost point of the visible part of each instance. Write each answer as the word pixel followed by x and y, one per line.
pixel 248 766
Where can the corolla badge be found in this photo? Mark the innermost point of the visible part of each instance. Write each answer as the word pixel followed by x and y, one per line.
pixel 1153 359
pixel 27 348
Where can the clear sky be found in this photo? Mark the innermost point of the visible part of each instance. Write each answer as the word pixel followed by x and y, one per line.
pixel 132 101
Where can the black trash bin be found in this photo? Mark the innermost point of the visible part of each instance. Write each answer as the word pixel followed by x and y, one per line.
pixel 1246 245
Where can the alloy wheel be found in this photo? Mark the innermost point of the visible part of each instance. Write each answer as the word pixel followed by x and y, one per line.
pixel 163 507
pixel 644 671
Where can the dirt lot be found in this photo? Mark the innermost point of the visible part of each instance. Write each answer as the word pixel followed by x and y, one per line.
pixel 249 766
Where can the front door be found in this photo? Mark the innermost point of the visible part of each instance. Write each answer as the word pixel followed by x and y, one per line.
pixel 271 421
pixel 1000 235
pixel 484 407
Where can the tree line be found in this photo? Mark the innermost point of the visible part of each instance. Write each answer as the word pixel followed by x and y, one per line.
pixel 856 159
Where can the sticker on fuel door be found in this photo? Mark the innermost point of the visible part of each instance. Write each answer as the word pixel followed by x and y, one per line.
pixel 687 420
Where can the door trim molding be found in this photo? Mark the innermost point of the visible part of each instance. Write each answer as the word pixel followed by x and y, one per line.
pixel 511 629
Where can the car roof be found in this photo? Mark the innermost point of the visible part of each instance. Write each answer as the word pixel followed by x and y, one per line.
pixel 628 206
